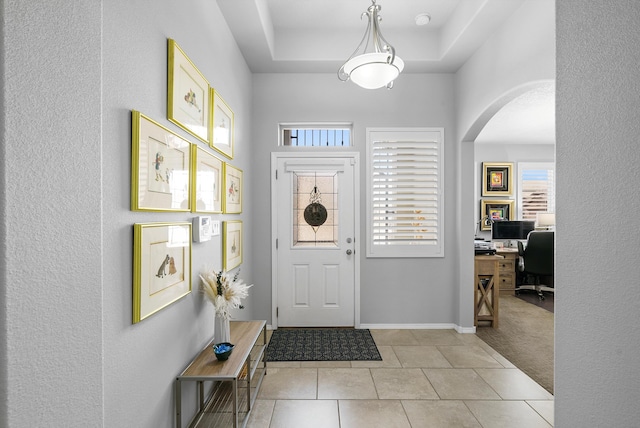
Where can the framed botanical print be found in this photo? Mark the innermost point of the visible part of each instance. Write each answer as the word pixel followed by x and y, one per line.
pixel 498 210
pixel 161 266
pixel 188 94
pixel 222 125
pixel 231 244
pixel 206 185
pixel 497 178
pixel 232 190
pixel 161 167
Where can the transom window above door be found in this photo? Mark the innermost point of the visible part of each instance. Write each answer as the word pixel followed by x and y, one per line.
pixel 315 134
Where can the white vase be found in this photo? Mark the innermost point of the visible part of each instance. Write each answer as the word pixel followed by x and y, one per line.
pixel 221 330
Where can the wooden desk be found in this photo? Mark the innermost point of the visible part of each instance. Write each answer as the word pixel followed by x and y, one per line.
pixel 245 368
pixel 486 289
pixel 508 270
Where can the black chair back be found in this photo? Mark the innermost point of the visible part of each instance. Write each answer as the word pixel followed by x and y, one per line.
pixel 538 255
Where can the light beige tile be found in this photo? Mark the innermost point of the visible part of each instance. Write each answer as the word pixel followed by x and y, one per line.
pixel 439 414
pixel 345 384
pixel 394 337
pixel 496 356
pixel 437 337
pixel 372 413
pixel 513 384
pixel 261 414
pixel 325 364
pixel 460 384
pixel 289 383
pixel 283 364
pixel 420 356
pixel 545 408
pixel 468 357
pixel 389 359
pixel 403 384
pixel 506 414
pixel 306 413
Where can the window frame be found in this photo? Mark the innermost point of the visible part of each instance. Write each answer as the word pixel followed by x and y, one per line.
pixel 415 135
pixel 316 126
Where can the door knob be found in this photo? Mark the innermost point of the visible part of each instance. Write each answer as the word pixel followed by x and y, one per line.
pixel 349 252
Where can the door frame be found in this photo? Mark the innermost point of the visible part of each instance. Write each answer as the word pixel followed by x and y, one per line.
pixel 355 159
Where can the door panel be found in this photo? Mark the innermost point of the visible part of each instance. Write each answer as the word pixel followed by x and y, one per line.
pixel 315 227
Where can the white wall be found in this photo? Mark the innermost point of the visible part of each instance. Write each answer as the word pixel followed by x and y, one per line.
pixel 597 298
pixel 498 72
pixel 143 359
pixel 393 291
pixel 72 72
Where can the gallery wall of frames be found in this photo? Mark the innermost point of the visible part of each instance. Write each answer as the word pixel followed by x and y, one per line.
pixel 171 173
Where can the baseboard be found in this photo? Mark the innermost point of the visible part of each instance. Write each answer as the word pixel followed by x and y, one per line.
pixel 462 330
pixel 439 326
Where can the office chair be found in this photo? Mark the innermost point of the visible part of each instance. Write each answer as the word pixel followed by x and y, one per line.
pixel 537 260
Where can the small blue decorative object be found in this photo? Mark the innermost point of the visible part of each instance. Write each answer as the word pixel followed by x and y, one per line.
pixel 223 350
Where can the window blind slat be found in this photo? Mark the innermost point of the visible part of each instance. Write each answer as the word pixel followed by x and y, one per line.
pixel 405 192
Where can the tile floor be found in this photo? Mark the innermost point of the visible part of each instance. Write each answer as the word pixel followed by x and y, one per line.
pixel 427 378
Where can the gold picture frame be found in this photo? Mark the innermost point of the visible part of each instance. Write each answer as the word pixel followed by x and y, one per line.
pixel 161 266
pixel 160 167
pixel 233 190
pixel 222 125
pixel 497 178
pixel 188 94
pixel 495 210
pixel 231 244
pixel 206 185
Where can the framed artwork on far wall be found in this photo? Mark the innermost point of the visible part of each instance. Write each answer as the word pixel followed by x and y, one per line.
pixel 233 189
pixel 222 125
pixel 161 266
pixel 497 178
pixel 160 167
pixel 188 94
pixel 498 210
pixel 231 244
pixel 206 195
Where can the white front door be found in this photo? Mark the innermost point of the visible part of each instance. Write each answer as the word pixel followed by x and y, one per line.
pixel 315 223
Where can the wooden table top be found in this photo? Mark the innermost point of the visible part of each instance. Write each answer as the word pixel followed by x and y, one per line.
pixel 244 335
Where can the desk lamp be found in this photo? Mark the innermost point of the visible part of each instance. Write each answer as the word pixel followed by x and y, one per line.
pixel 545 221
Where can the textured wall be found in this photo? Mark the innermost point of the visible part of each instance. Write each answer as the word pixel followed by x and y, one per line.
pixel 51 212
pixel 597 302
pixel 71 74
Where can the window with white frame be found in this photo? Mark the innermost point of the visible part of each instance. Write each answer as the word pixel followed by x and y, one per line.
pixel 315 134
pixel 536 189
pixel 404 192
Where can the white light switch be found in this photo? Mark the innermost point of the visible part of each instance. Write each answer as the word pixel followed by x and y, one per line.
pixel 215 228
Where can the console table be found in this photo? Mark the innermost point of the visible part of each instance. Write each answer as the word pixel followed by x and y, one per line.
pixel 486 293
pixel 244 369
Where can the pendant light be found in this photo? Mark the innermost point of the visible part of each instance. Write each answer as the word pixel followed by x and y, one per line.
pixel 374 63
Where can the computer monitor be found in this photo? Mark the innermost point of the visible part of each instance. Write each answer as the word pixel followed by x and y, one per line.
pixel 511 229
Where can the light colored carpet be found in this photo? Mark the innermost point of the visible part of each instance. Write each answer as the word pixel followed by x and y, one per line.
pixel 524 337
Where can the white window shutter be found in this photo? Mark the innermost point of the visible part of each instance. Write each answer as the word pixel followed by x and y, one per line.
pixel 404 192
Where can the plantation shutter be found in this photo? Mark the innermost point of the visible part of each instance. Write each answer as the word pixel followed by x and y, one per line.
pixel 537 190
pixel 405 203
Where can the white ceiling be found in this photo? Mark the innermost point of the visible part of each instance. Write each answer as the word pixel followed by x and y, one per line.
pixel 317 36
